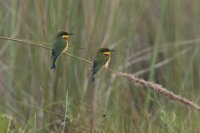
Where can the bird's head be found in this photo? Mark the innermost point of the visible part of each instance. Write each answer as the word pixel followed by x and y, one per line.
pixel 64 35
pixel 106 51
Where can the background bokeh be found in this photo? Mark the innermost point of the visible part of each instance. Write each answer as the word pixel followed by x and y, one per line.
pixel 158 40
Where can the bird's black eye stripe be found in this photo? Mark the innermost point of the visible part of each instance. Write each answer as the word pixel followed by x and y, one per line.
pixel 102 50
pixel 62 33
pixel 105 50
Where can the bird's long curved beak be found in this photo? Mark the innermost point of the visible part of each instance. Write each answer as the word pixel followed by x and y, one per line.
pixel 70 33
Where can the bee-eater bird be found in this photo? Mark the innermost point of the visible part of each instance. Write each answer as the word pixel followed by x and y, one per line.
pixel 102 59
pixel 60 46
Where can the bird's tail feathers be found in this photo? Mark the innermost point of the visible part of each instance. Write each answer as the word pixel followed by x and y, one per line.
pixel 53 64
pixel 92 78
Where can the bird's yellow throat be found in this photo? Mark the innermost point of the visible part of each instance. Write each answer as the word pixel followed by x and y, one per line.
pixel 66 37
pixel 107 53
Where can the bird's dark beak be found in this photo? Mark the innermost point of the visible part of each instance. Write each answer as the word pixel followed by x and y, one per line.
pixel 112 50
pixel 70 33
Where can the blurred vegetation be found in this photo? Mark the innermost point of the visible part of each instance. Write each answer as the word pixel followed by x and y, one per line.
pixel 145 33
pixel 4 122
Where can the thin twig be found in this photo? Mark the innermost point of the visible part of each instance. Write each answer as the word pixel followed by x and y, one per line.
pixel 165 46
pixel 25 42
pixel 140 82
pixel 162 63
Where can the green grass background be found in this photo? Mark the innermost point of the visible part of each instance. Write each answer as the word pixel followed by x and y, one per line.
pixel 145 33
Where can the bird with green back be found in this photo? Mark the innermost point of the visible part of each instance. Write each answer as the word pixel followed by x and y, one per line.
pixel 102 59
pixel 60 46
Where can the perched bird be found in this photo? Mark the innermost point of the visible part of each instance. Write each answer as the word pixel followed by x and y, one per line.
pixel 102 59
pixel 60 46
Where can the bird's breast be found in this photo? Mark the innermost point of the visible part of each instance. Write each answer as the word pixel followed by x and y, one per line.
pixel 65 49
pixel 107 63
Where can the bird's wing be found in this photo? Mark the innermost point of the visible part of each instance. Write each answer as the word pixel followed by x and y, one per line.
pixel 58 47
pixel 99 61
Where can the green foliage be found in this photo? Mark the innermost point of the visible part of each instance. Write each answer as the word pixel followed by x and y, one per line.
pixel 4 124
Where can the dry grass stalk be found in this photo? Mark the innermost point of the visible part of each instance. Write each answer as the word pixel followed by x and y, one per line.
pixel 157 88
pixel 136 81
